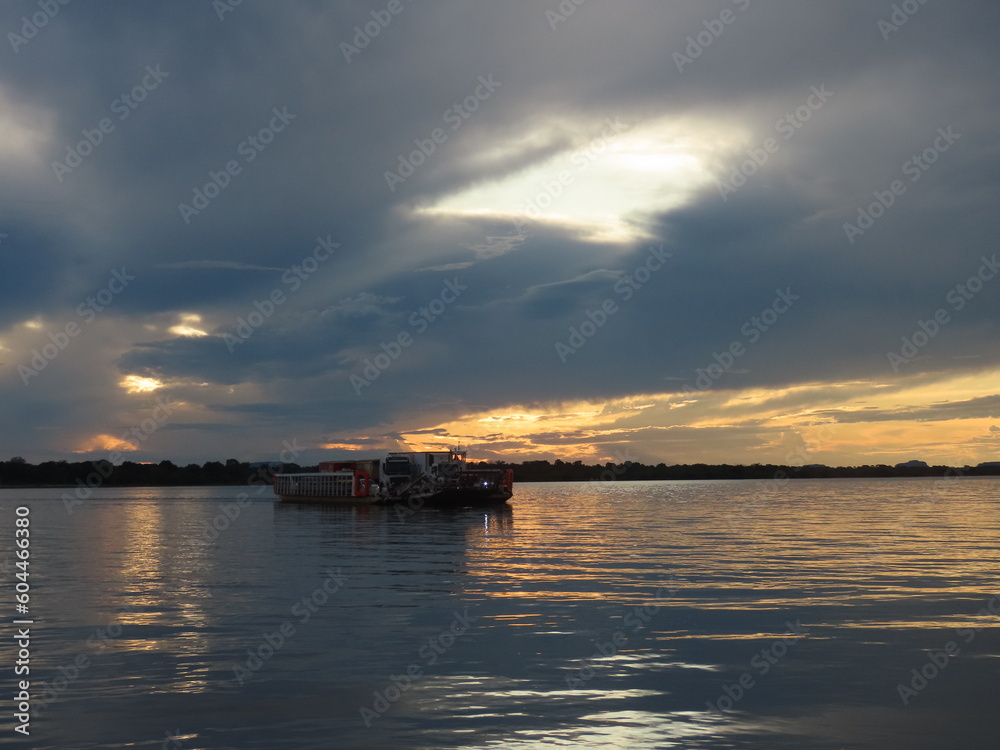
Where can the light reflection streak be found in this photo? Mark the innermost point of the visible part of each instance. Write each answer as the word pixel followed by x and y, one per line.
pixel 549 578
pixel 146 566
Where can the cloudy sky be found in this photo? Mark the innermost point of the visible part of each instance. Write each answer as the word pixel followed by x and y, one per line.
pixel 724 231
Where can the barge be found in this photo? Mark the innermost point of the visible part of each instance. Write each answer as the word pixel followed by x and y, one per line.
pixel 441 479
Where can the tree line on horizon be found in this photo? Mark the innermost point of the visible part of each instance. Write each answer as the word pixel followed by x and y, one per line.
pixel 18 472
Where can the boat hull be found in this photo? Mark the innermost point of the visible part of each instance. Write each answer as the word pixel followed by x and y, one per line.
pixel 456 497
pixel 416 480
pixel 329 500
pixel 447 498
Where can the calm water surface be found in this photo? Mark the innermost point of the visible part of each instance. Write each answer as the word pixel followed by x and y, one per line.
pixel 602 615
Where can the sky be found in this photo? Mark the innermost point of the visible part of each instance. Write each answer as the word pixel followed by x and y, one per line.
pixel 733 231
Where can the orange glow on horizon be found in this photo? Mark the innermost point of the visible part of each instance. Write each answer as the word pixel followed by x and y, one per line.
pixel 846 423
pixel 105 443
pixel 343 447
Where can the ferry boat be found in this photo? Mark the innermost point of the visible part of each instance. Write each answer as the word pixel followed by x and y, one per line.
pixel 417 479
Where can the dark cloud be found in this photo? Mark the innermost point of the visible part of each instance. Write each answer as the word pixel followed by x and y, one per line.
pixel 325 132
pixel 973 408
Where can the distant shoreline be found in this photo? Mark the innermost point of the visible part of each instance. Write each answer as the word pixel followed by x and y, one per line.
pixel 94 474
pixel 522 481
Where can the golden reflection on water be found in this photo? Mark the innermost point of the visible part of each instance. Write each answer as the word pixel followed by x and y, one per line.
pixel 899 561
pixel 160 576
pixel 763 548
pixel 719 567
